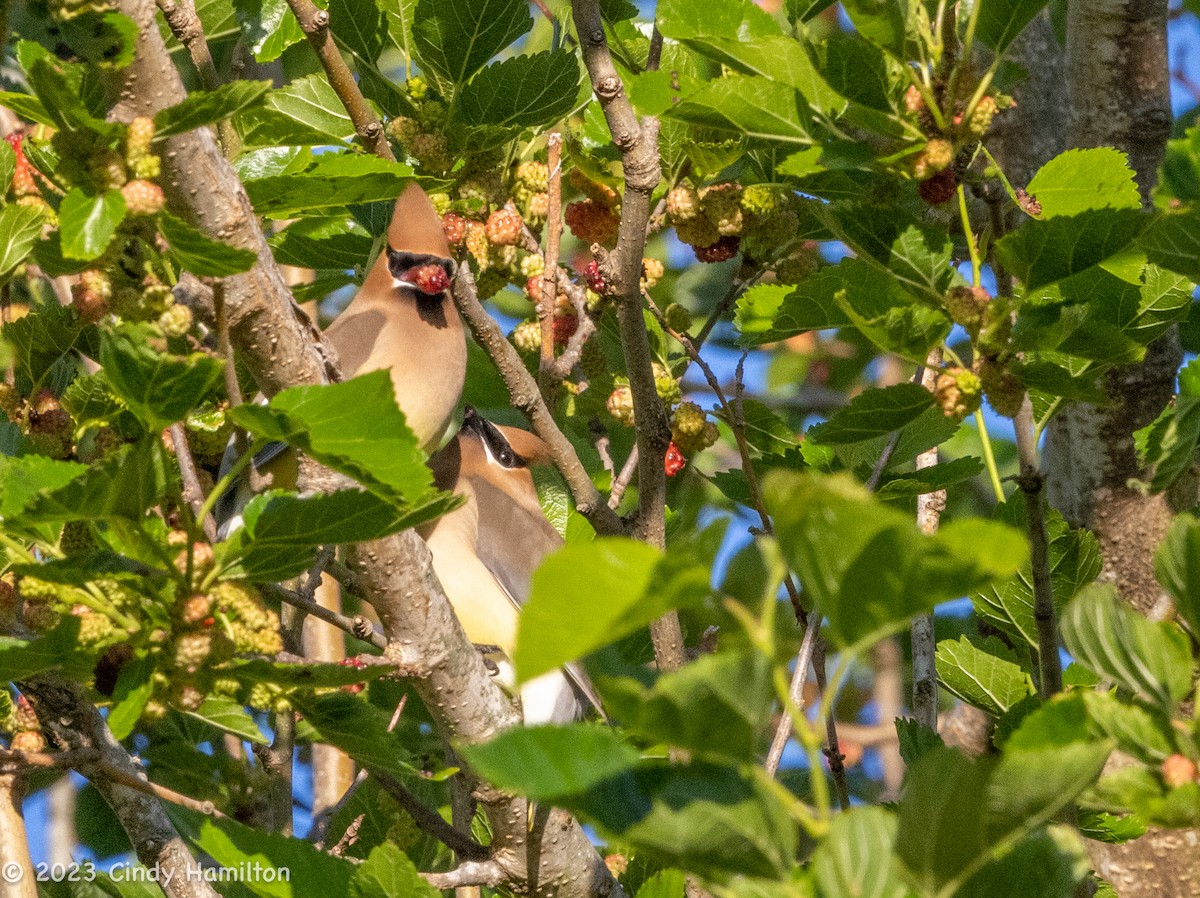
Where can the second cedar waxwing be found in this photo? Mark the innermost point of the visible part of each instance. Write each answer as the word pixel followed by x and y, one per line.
pixel 485 551
pixel 402 320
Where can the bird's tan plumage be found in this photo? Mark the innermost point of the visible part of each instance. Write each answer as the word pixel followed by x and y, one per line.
pixel 485 552
pixel 390 325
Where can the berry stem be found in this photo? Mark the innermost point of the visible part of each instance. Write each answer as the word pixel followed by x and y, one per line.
pixel 972 248
pixel 989 457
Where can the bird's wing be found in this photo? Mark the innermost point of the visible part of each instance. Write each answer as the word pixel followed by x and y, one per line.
pixel 513 538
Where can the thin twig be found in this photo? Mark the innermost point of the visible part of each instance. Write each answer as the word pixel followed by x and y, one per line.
pixel 193 493
pixel 737 424
pixel 471 873
pixel 188 30
pixel 314 23
pixel 783 732
pixel 351 625
pixel 617 493
pixel 430 821
pixel 320 826
pixel 527 398
pixel 929 512
pixel 833 745
pixel 1033 486
pixel 545 309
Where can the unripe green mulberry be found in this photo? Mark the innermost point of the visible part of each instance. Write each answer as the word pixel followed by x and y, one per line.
pixel 176 321
pixel 721 205
pixel 192 650
pixel 763 200
pixel 691 431
pixel 532 265
pixel 533 175
pixel 620 404
pixel 967 306
pixel 936 157
pixel 958 392
pixel 683 204
pixel 10 401
pixel 137 143
pixel 666 385
pixel 981 117
pixel 697 232
pixel 1003 389
pixel 527 336
pixel 678 318
pixel 186 696
pixel 95 629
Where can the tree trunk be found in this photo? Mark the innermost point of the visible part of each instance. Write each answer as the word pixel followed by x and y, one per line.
pixel 1118 95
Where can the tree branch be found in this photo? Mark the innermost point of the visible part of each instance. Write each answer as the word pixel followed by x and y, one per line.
pixel 72 723
pixel 1033 486
pixel 193 493
pixel 185 25
pixel 638 145
pixel 527 398
pixel 314 23
pixel 929 512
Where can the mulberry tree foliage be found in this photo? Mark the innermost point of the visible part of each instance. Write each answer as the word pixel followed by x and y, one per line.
pixel 829 212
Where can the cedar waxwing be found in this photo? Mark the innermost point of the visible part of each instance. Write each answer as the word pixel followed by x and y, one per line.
pixel 402 320
pixel 485 551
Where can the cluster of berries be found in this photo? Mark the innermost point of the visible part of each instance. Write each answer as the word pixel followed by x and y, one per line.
pixel 720 220
pixel 934 166
pixel 22 722
pixel 959 391
pixel 691 431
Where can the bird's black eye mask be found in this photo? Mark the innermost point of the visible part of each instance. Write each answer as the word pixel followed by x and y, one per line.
pixel 497 446
pixel 401 263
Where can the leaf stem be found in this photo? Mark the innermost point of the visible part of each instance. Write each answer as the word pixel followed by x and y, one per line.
pixel 972 248
pixel 989 458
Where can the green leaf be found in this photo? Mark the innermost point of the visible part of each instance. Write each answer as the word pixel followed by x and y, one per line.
pixel 942 824
pixel 931 479
pixel 1109 828
pixel 90 401
pixel 306 112
pixel 454 39
pixel 549 763
pixel 867 566
pixel 205 107
pixel 268 27
pixel 882 22
pixel 1078 180
pixel 1074 562
pixel 1149 658
pixel 523 91
pixel 388 872
pixel 1168 444
pixel 322 243
pixel 663 884
pixel 1042 252
pixel 715 821
pixel 130 696
pixel 281 532
pixel 359 729
pixel 333 181
pixel 354 427
pixel 20 228
pixel 873 413
pixel 765 431
pixel 1141 731
pixel 360 26
pixel 27 107
pixel 757 107
pixel 229 716
pixel 198 253
pixel 804 10
pixel 983 672
pixel 21 479
pixel 87 222
pixel 231 844
pixel 915 739
pixel 855 858
pixel 587 595
pixel 157 387
pixel 717 706
pixel 58 648
pixel 1043 865
pixel 1177 566
pixel 123 485
pixel 1173 241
